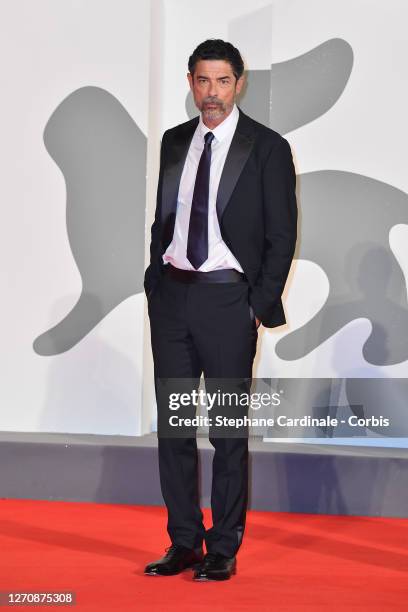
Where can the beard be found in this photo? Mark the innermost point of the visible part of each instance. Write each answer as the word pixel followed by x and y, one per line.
pixel 220 110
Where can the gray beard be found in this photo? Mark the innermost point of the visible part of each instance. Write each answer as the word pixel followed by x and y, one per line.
pixel 216 113
pixel 213 113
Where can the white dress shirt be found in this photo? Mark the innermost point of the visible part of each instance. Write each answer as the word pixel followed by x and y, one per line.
pixel 219 255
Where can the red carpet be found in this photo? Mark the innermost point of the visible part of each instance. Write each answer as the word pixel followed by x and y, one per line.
pixel 287 561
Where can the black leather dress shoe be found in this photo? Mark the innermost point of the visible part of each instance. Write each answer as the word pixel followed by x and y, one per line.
pixel 216 567
pixel 176 559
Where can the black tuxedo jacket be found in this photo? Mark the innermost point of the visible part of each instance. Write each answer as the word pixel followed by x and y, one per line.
pixel 256 208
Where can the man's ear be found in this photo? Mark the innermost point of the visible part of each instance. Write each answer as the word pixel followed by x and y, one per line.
pixel 240 84
pixel 190 78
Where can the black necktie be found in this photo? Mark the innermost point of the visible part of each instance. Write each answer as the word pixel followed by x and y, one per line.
pixel 197 241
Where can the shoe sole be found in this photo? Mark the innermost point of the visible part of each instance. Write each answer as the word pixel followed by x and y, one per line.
pixel 208 579
pixel 194 566
pixel 212 579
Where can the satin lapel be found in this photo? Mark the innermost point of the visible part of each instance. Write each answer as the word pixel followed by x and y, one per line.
pixel 238 153
pixel 174 165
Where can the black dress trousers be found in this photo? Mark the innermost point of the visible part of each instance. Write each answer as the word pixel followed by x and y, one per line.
pixel 209 328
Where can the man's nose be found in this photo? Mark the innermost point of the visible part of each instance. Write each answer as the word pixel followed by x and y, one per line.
pixel 213 89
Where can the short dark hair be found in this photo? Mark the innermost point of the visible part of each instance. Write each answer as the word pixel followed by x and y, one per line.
pixel 217 49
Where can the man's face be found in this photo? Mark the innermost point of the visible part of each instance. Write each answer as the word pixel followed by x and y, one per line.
pixel 214 88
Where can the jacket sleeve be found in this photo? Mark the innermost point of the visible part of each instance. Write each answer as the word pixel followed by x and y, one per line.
pixel 152 272
pixel 280 222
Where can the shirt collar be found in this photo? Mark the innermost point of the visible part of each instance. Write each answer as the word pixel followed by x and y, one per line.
pixel 222 130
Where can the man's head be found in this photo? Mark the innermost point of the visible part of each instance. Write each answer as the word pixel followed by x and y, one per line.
pixel 216 78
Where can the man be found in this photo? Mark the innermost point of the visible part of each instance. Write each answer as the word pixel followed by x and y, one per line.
pixel 222 243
